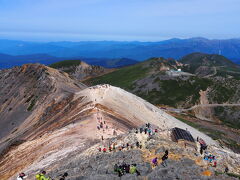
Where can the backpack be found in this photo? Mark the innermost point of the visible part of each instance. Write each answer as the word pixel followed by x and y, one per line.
pixel 38 176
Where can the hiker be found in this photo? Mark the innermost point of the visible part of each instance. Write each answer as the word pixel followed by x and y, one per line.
pixel 118 170
pixel 101 125
pixel 149 132
pixel 127 146
pixel 148 125
pixel 133 169
pixel 215 164
pixel 137 144
pixel 99 149
pixel 141 130
pixel 164 159
pixel 156 131
pixel 64 176
pixel 226 170
pixel 104 149
pixel 136 131
pixel 110 149
pixel 21 176
pixel 102 138
pixel 114 147
pixel 201 150
pixel 155 161
pixel 145 130
pixel 127 168
pixel 42 176
pixel 140 146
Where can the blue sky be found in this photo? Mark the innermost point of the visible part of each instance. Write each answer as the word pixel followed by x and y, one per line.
pixel 123 20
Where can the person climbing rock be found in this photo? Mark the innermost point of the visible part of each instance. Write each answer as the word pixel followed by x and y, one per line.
pixel 42 176
pixel 164 159
pixel 155 161
pixel 21 176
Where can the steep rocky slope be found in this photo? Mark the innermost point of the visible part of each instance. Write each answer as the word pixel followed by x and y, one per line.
pixel 27 93
pixel 80 70
pixel 59 132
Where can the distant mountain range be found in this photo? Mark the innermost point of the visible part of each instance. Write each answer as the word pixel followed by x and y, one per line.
pixel 9 61
pixel 174 48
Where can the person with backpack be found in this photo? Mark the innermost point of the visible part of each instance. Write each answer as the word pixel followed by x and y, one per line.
pixel 21 176
pixel 42 176
pixel 133 170
pixel 164 159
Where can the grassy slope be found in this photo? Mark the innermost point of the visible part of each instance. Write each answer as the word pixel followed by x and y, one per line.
pixel 122 78
pixel 66 63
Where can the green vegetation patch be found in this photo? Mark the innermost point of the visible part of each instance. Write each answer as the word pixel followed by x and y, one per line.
pixel 123 78
pixel 30 107
pixel 175 91
pixel 65 64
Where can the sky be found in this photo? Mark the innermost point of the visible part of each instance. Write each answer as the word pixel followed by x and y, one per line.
pixel 121 20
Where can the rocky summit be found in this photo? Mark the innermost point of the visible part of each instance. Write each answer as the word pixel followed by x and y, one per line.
pixel 51 122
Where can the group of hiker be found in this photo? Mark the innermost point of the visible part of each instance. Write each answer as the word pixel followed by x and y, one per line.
pixel 126 146
pixel 164 160
pixel 126 168
pixel 42 176
pixel 211 159
pixel 147 130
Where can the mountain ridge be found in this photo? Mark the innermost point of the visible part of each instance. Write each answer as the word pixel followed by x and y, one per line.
pixel 173 48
